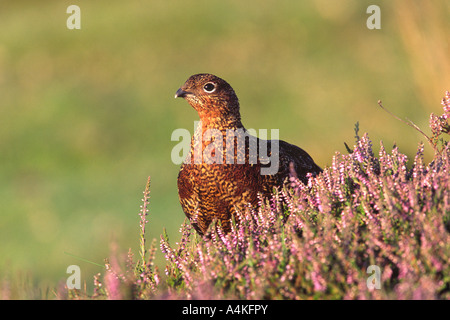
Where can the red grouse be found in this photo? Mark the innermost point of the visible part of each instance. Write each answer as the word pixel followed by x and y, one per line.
pixel 227 166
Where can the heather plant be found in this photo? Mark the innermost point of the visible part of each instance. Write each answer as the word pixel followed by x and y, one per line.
pixel 124 278
pixel 317 240
pixel 438 124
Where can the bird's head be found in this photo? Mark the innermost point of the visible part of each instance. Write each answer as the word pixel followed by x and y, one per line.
pixel 211 96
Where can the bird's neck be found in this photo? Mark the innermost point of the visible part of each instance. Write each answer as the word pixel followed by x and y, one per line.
pixel 210 140
pixel 209 126
pixel 221 123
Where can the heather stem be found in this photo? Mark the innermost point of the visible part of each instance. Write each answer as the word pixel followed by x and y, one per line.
pixel 409 123
pixel 143 214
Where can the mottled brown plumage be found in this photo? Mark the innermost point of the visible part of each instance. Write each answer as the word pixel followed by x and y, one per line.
pixel 209 186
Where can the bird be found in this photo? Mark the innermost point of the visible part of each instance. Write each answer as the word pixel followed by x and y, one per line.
pixel 221 177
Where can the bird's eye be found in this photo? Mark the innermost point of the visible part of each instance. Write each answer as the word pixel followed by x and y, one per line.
pixel 209 87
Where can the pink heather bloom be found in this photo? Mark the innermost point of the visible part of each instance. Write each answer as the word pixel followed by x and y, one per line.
pixel 112 286
pixel 446 104
pixel 318 281
pixel 435 124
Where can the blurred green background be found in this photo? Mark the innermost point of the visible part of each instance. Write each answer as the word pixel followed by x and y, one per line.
pixel 87 115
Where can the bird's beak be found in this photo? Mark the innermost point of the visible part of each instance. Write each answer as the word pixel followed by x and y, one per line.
pixel 181 93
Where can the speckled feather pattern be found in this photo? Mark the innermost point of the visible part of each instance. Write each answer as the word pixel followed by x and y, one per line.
pixel 208 190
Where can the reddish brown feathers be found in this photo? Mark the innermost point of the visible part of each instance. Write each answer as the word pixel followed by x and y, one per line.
pixel 220 176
